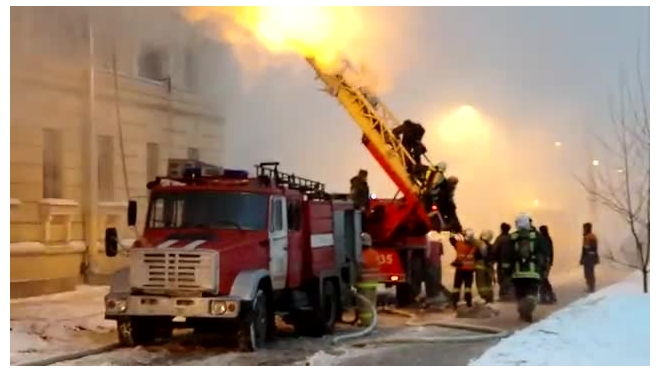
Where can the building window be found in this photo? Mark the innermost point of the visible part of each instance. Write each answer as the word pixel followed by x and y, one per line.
pixel 191 69
pixel 106 168
pixel 153 63
pixel 193 153
pixel 52 163
pixel 152 160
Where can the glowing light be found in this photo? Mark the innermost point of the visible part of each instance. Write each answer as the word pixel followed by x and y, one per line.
pixel 462 125
pixel 558 144
pixel 595 162
pixel 536 202
pixel 620 171
pixel 394 278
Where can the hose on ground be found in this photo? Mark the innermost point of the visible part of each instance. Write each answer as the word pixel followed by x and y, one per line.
pixel 364 332
pixel 70 356
pixel 485 332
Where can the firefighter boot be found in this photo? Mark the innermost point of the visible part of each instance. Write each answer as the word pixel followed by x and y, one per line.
pixel 454 299
pixel 526 308
pixel 468 299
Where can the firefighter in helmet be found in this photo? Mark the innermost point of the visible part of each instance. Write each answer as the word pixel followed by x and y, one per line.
pixel 464 264
pixel 368 283
pixel 483 267
pixel 525 256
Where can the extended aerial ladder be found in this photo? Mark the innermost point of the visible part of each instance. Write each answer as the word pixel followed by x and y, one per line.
pixel 376 122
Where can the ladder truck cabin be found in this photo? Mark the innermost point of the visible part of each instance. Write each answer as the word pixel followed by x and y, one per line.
pixel 398 226
pixel 224 252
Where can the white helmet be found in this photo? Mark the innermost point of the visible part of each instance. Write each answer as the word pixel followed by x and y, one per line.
pixel 486 235
pixel 442 166
pixel 469 234
pixel 366 239
pixel 523 222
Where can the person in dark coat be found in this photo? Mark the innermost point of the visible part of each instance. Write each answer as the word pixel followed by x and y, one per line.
pixel 360 191
pixel 589 258
pixel 503 279
pixel 411 134
pixel 546 292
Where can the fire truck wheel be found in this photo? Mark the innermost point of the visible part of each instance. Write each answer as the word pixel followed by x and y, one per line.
pixel 132 332
pixel 325 315
pixel 253 329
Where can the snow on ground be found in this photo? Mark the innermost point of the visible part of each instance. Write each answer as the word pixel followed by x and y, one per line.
pixel 610 328
pixel 51 325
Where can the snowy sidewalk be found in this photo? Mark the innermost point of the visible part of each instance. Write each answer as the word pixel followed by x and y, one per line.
pixel 608 328
pixel 52 325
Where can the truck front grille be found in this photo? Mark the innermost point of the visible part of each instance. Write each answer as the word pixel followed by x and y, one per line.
pixel 174 270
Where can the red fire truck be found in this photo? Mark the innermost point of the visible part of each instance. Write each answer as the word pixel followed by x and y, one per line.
pixel 226 252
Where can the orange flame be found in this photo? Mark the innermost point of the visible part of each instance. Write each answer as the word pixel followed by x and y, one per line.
pixel 323 33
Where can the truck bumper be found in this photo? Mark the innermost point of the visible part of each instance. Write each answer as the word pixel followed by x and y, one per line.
pixel 119 306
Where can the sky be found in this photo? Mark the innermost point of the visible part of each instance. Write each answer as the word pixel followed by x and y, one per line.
pixel 532 75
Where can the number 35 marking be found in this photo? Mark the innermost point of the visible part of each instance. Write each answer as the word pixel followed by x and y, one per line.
pixel 385 259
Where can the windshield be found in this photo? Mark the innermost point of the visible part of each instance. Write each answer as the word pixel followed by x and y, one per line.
pixel 208 209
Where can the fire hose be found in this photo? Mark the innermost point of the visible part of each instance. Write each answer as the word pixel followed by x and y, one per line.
pixel 485 333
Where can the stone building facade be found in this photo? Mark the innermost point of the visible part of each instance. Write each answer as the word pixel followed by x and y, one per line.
pixel 100 99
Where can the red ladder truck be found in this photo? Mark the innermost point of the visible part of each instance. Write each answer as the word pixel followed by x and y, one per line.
pixel 397 226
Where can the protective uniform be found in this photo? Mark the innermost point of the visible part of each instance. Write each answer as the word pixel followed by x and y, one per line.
pixel 483 267
pixel 503 275
pixel 589 258
pixel 411 134
pixel 447 206
pixel 526 254
pixel 546 292
pixel 464 265
pixel 360 191
pixel 368 284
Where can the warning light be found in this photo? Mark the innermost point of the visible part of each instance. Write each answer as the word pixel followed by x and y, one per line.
pixel 394 278
pixel 434 207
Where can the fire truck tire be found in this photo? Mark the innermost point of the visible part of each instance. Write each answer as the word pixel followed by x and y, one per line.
pixel 253 329
pixel 325 314
pixel 141 331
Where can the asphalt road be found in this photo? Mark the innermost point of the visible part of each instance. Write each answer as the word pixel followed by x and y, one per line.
pixel 289 350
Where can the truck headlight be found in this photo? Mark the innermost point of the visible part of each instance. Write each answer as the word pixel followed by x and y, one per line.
pixel 116 305
pixel 218 307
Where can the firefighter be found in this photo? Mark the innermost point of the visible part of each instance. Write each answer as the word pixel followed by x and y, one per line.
pixel 368 284
pixel 411 134
pixel 435 177
pixel 525 255
pixel 447 206
pixel 589 258
pixel 464 264
pixel 360 191
pixel 546 292
pixel 503 278
pixel 483 268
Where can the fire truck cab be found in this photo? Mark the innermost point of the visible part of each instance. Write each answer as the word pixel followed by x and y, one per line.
pixel 225 252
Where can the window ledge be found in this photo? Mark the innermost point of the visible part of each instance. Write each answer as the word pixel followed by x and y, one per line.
pixel 14 202
pixel 58 202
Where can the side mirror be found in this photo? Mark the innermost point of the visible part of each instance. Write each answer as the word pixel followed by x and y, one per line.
pixel 132 213
pixel 111 242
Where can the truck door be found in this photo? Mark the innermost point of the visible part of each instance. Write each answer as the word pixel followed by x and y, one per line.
pixel 279 242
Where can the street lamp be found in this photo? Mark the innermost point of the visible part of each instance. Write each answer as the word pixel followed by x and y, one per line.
pixel 557 144
pixel 595 162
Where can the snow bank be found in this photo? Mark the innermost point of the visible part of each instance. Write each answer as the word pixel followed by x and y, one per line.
pixel 50 325
pixel 608 328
